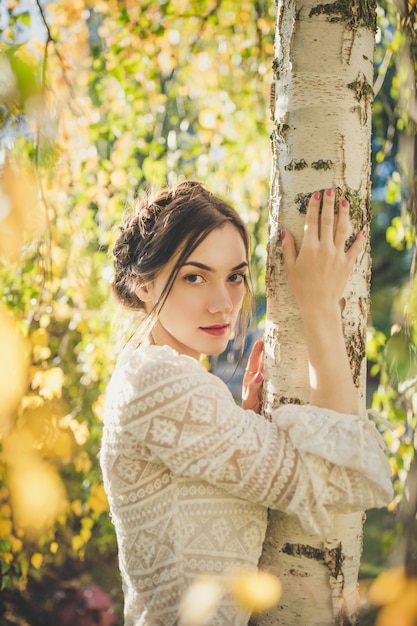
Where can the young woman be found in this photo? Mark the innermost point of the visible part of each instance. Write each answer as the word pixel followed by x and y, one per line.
pixel 188 473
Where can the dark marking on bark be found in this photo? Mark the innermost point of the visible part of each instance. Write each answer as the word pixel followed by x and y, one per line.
pixel 356 350
pixel 356 13
pixel 342 619
pixel 364 94
pixel 281 132
pixel 355 208
pixel 287 400
pixel 332 558
pixel 277 67
pixel 361 88
pixel 272 101
pixel 269 276
pixel 359 215
pixel 296 165
pixel 299 574
pixel 363 307
pixel 301 199
pixel 322 165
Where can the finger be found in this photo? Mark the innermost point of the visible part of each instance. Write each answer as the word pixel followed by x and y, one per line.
pixel 311 227
pixel 356 247
pixel 327 216
pixel 288 249
pixel 342 225
pixel 255 406
pixel 252 392
pixel 255 361
pixel 255 389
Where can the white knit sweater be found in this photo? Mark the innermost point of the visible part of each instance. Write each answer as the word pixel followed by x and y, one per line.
pixel 189 477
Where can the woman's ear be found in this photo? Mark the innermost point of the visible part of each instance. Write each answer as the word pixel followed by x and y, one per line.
pixel 144 292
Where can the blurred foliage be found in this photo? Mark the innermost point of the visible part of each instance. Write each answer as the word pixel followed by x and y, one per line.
pixel 392 345
pixel 97 99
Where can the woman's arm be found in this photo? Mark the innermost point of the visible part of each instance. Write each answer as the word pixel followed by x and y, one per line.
pixel 307 461
pixel 317 276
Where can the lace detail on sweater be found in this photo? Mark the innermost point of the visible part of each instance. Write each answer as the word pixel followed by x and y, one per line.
pixel 189 477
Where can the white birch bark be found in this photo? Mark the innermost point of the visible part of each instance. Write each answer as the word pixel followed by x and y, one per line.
pixel 322 126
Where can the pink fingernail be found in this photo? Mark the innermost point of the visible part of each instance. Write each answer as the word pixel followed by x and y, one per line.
pixel 364 233
pixel 283 233
pixel 345 203
pixel 317 195
pixel 329 192
pixel 259 377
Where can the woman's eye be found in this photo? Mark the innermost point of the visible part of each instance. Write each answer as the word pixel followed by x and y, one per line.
pixel 237 278
pixel 194 279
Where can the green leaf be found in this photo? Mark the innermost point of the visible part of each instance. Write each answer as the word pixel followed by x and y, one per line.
pixel 5 545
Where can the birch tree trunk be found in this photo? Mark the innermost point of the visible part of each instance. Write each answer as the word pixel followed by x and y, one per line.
pixel 323 74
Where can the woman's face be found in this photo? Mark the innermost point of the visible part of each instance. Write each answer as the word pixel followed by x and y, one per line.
pixel 200 312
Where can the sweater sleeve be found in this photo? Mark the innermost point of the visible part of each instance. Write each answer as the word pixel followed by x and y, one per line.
pixel 306 461
pixel 344 467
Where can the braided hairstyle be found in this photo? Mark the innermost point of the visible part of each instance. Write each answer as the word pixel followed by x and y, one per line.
pixel 162 225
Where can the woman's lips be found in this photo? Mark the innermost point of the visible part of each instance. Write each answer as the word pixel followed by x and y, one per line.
pixel 217 330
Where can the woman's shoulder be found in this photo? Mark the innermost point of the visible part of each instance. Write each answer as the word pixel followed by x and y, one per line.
pixel 147 355
pixel 155 363
pixel 142 370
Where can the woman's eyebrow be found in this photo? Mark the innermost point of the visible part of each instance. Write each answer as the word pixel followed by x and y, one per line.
pixel 202 266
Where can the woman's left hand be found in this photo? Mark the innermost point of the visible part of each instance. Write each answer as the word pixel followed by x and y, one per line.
pixel 253 378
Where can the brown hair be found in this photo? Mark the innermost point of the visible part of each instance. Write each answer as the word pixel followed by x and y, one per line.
pixel 162 224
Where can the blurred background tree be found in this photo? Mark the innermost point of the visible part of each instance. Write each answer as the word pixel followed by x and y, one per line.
pixel 97 99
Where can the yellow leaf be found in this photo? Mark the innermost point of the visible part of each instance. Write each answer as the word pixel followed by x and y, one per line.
pixel 388 586
pixel 36 560
pixel 80 431
pixel 394 615
pixel 98 407
pixel 85 535
pixel 256 591
pixel 41 353
pixel 54 547
pixel 36 491
pixel 77 542
pixel 394 464
pixel 98 499
pixel 77 507
pixel 17 544
pixel 6 527
pixel 39 337
pixel 24 566
pixel 82 462
pixel 44 321
pixel 49 382
pixel 87 523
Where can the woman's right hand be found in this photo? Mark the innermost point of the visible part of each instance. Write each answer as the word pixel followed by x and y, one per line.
pixel 317 275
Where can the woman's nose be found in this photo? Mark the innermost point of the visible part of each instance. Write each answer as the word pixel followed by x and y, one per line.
pixel 220 301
